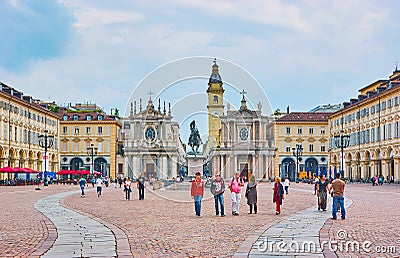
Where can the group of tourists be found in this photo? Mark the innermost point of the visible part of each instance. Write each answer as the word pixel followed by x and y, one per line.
pixel 335 189
pixel 126 182
pixel 140 185
pixel 235 185
pixel 322 187
pixel 99 184
pixel 381 179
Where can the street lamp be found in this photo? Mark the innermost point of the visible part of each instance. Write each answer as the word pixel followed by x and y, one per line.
pixel 342 141
pixel 91 151
pixel 45 141
pixel 297 152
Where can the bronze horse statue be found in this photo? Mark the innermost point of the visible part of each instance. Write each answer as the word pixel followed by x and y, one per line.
pixel 194 138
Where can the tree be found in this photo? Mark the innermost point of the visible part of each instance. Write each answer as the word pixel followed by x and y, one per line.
pixel 277 112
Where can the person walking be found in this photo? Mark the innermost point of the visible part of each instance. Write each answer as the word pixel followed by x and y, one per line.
pixel 286 184
pixel 82 183
pixel 338 192
pixel 141 185
pixel 235 185
pixel 99 183
pixel 251 194
pixel 127 188
pixel 322 190
pixel 197 192
pixel 279 195
pixel 217 189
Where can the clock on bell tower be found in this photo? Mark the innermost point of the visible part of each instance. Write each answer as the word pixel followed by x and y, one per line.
pixel 215 105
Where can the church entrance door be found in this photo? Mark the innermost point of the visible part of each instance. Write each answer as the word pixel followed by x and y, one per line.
pixel 149 173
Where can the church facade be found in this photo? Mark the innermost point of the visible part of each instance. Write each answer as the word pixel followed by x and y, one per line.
pixel 239 140
pixel 245 144
pixel 151 143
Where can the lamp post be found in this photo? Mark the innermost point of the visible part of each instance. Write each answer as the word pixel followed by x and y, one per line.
pixel 342 141
pixel 91 151
pixel 45 141
pixel 297 152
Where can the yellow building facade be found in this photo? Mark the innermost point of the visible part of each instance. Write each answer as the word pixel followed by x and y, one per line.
pixel 310 130
pixel 215 106
pixel 84 128
pixel 372 122
pixel 22 121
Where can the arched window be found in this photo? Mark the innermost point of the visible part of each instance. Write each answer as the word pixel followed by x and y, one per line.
pixel 215 99
pixel 76 163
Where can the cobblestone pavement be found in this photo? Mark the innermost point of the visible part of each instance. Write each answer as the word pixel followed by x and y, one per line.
pixel 24 231
pixel 374 217
pixel 167 226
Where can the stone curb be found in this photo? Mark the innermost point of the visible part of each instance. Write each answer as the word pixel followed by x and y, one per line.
pixel 49 241
pixel 123 248
pixel 245 248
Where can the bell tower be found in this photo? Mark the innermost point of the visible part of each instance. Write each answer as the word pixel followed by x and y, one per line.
pixel 215 106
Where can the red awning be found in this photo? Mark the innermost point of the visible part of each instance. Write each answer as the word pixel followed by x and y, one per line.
pixel 83 172
pixel 27 170
pixel 67 172
pixel 8 170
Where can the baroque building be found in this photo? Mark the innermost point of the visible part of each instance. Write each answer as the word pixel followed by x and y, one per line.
pixel 372 122
pixel 239 140
pixel 152 145
pixel 308 129
pixel 22 120
pixel 86 128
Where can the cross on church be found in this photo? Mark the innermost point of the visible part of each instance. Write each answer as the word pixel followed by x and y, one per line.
pixel 396 63
pixel 150 93
pixel 242 93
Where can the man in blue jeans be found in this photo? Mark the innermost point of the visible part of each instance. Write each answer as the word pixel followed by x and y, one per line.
pixel 338 191
pixel 82 183
pixel 218 189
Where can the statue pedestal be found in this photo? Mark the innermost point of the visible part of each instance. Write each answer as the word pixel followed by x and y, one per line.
pixel 195 163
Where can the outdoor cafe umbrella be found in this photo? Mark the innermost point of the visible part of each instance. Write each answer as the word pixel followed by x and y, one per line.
pixel 83 172
pixel 67 172
pixel 8 170
pixel 26 170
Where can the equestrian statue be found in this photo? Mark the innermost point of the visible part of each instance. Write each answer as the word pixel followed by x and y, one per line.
pixel 194 138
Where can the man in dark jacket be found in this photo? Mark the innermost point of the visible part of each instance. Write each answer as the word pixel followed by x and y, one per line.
pixel 141 185
pixel 218 189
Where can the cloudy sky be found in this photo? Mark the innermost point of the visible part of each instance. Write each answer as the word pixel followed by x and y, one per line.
pixel 301 53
